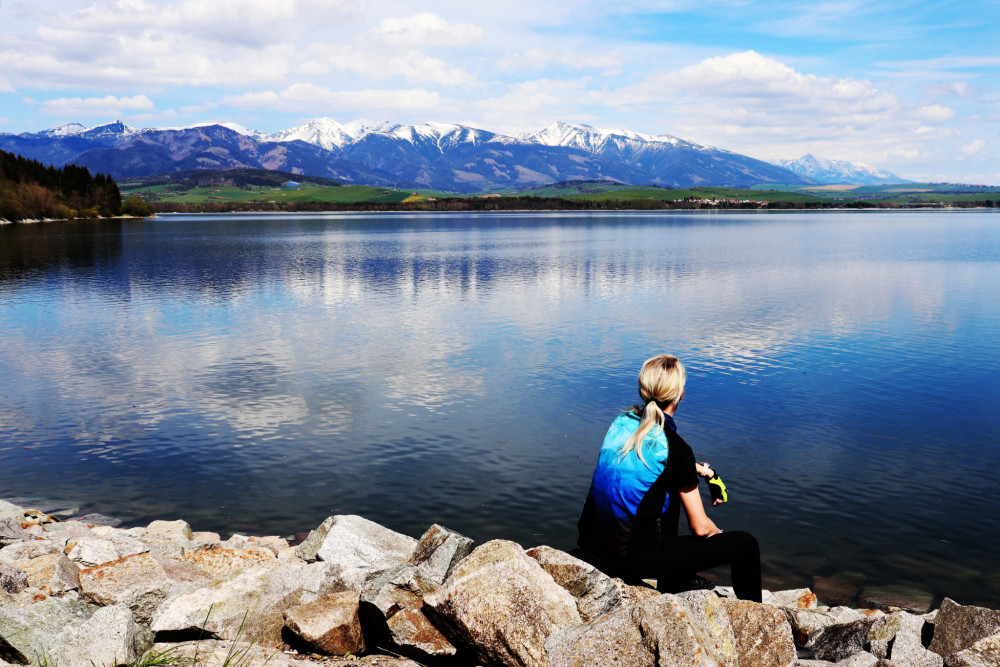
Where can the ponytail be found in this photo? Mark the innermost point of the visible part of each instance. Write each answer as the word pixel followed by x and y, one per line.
pixel 651 423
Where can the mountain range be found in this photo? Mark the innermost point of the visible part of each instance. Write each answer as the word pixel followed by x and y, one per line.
pixel 438 156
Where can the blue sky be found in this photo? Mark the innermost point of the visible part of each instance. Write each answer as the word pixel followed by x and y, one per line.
pixel 913 87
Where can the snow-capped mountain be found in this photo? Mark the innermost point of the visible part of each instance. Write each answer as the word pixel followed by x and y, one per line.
pixel 446 156
pixel 839 171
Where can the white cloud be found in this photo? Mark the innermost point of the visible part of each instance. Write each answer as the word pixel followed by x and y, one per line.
pixel 311 98
pixel 423 30
pixel 5 86
pixel 933 113
pixel 75 107
pixel 976 146
pixel 538 59
pixel 413 66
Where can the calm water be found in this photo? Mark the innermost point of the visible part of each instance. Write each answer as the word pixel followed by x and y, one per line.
pixel 259 373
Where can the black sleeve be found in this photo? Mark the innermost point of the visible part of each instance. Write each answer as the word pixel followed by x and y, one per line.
pixel 680 469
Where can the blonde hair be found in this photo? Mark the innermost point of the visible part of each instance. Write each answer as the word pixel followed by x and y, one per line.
pixel 661 383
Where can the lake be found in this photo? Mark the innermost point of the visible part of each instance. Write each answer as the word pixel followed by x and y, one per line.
pixel 258 373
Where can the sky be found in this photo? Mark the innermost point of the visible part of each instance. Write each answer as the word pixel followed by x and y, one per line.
pixel 912 87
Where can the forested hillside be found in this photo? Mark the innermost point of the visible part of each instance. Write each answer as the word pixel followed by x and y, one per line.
pixel 30 190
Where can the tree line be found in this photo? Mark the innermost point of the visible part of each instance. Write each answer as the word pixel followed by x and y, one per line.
pixel 30 190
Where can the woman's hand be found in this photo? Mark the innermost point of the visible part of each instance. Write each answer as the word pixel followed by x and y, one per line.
pixel 704 470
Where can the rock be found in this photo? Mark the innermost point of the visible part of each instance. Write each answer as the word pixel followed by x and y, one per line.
pixel 52 573
pixel 911 597
pixel 634 594
pixel 271 543
pixel 400 587
pixel 11 531
pixel 807 624
pixel 32 631
pixel 329 625
pixel 95 519
pixel 415 637
pixel 202 536
pixel 763 634
pixel 67 530
pixel 141 582
pixel 863 659
pixel 958 627
pixel 614 639
pixel 984 653
pixel 216 652
pixel 247 604
pixel 287 553
pixel 842 640
pixel 501 605
pixel 898 637
pixel 596 593
pixel 109 637
pixel 10 508
pixel 799 598
pixel 358 545
pixel 169 530
pixel 220 561
pixel 439 550
pixel 12 580
pixel 688 629
pixel 94 551
pixel 835 591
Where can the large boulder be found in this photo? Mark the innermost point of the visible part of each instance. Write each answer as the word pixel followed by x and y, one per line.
pixel 141 582
pixel 763 634
pixel 356 544
pixel 688 629
pixel 52 573
pixel 246 605
pixel 70 633
pixel 958 627
pixel 984 653
pixel 169 530
pixel 797 598
pixel 28 550
pixel 329 625
pixel 392 602
pixel 613 639
pixel 414 636
pixel 438 551
pixel 221 561
pixel 596 593
pixel 501 605
pixel 898 637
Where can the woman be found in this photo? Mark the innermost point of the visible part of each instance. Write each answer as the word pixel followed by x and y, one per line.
pixel 645 475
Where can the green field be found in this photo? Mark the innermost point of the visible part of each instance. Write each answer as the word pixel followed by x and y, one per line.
pixel 347 194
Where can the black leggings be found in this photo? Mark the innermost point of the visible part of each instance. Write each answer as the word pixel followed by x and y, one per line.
pixel 677 559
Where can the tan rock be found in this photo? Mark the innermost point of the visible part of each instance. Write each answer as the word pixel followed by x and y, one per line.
pixel 763 634
pixel 141 582
pixel 271 543
pixel 688 629
pixel 595 592
pixel 614 639
pixel 798 598
pixel 983 653
pixel 502 605
pixel 415 636
pixel 202 536
pixel 220 561
pixel 329 625
pixel 179 530
pixel 52 573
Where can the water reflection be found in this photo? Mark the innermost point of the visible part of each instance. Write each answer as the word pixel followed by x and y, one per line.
pixel 261 372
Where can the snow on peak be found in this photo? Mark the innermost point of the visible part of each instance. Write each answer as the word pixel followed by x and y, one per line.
pixel 838 171
pixel 590 138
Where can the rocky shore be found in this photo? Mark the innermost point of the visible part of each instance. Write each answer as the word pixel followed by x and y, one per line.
pixel 78 593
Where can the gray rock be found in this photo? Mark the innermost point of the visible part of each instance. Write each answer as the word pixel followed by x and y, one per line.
pixel 67 530
pixel 614 639
pixel 52 573
pixel 12 580
pixel 763 634
pixel 95 519
pixel 215 652
pixel 10 508
pixel 596 593
pixel 439 550
pixel 247 604
pixel 109 637
pixel 984 653
pixel 169 530
pixel 94 551
pixel 898 637
pixel 393 600
pixel 807 624
pixel 687 630
pixel 958 627
pixel 11 531
pixel 910 597
pixel 358 545
pixel 501 605
pixel 34 630
pixel 329 625
pixel 843 640
pixel 141 582
pixel 272 543
pixel 862 659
